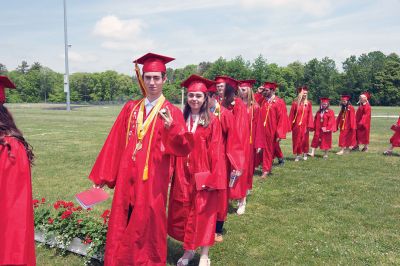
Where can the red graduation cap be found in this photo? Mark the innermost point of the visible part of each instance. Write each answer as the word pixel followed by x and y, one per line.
pixel 154 62
pixel 366 94
pixel 212 88
pixel 345 97
pixel 196 83
pixel 5 82
pixel 228 80
pixel 301 88
pixel 247 83
pixel 270 85
pixel 324 100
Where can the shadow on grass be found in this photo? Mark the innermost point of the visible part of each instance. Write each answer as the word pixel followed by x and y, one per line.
pixel 56 252
pixel 175 252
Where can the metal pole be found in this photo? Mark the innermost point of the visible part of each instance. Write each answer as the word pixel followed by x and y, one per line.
pixel 66 77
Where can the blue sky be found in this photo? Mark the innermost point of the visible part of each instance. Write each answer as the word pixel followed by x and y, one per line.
pixel 108 34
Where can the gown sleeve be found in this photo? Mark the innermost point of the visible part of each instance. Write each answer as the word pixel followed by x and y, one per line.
pixel 176 139
pixel 234 151
pixel 215 180
pixel 105 169
pixel 16 220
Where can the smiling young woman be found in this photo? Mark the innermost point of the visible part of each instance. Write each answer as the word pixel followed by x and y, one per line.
pixel 193 201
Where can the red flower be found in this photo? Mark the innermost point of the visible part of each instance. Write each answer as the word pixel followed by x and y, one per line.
pixel 89 209
pixel 56 205
pixel 43 200
pixel 50 221
pixel 79 221
pixel 66 214
pixel 35 203
pixel 87 240
pixel 106 216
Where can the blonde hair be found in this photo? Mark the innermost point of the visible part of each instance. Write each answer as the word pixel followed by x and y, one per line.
pixel 300 98
pixel 250 96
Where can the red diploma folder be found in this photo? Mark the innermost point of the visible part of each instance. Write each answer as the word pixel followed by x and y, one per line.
pixel 91 197
pixel 201 179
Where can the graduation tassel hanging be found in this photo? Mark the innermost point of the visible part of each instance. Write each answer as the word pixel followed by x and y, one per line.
pixel 140 80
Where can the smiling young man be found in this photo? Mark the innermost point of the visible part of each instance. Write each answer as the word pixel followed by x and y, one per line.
pixel 272 126
pixel 135 160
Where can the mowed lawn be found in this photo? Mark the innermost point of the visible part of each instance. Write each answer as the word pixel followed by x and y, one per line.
pixel 344 210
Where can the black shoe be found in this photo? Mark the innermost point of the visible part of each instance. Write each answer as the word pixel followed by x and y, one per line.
pixel 281 161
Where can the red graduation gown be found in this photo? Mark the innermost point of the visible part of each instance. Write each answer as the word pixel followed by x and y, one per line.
pixel 301 120
pixel 395 139
pixel 277 148
pixel 141 238
pixel 231 153
pixel 363 121
pixel 323 140
pixel 346 122
pixel 192 212
pixel 255 158
pixel 239 110
pixel 271 125
pixel 17 244
pixel 259 98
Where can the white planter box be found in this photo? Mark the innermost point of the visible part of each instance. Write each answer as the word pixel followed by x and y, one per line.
pixel 76 245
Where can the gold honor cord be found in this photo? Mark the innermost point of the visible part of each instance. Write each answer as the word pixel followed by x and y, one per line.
pixel 295 116
pixel 140 80
pixel 302 114
pixel 266 117
pixel 269 105
pixel 143 127
pixel 129 122
pixel 344 119
pixel 217 111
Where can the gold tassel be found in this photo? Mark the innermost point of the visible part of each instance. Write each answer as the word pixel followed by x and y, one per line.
pixel 140 80
pixel 145 173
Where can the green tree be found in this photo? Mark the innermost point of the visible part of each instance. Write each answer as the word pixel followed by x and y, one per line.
pixel 3 69
pixel 23 68
pixel 388 82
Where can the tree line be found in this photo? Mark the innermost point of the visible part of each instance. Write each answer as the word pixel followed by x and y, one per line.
pixel 374 72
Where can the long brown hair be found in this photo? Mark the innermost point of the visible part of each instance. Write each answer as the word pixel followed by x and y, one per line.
pixel 203 114
pixel 9 128
pixel 229 96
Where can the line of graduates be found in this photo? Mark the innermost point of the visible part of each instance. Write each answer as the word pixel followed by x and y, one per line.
pixel 207 155
pixel 210 152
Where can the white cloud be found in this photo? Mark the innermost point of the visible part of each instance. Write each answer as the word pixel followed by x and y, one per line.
pixel 79 57
pixel 114 28
pixel 120 34
pixel 313 7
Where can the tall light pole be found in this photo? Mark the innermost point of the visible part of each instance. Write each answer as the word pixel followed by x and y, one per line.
pixel 66 77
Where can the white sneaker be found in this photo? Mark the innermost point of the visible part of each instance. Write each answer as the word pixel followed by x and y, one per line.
pixel 241 209
pixel 204 262
pixel 340 152
pixel 305 158
pixel 297 158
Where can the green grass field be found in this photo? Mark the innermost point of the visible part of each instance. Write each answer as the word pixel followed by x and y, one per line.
pixel 340 211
